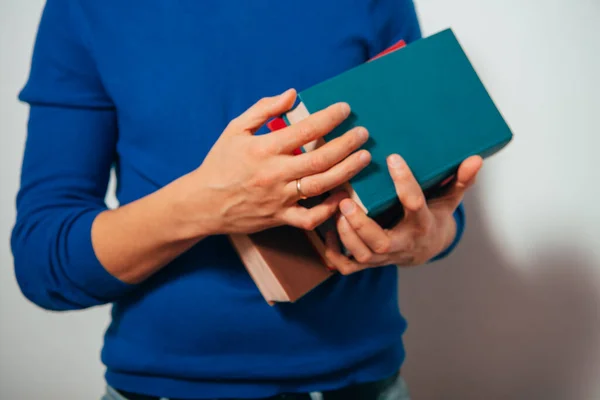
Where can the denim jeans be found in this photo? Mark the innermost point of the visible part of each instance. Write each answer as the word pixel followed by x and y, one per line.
pixel 397 391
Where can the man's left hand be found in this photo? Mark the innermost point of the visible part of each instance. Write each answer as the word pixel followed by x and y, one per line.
pixel 426 230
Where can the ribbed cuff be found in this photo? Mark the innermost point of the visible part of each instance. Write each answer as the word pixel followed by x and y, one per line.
pixel 459 217
pixel 87 271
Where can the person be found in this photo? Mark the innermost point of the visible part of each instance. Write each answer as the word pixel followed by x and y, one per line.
pixel 174 96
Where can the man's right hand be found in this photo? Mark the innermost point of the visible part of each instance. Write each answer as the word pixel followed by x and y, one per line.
pixel 247 182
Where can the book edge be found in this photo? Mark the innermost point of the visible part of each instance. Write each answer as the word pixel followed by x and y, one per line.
pixel 491 97
pixel 272 291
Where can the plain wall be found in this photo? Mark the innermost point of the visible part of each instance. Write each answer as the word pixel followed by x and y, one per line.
pixel 514 313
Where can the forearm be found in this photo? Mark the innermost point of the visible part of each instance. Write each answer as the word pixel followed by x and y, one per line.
pixel 72 137
pixel 137 240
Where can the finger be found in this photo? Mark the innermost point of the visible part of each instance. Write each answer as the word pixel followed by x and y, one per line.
pixel 352 242
pixel 409 191
pixel 328 155
pixel 318 184
pixel 310 218
pixel 331 240
pixel 261 111
pixel 465 178
pixel 309 129
pixel 367 231
pixel 337 260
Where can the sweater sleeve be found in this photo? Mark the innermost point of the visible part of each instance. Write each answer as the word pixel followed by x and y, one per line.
pixel 69 151
pixel 395 20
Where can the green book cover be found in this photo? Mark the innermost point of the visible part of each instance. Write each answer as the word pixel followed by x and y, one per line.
pixel 424 102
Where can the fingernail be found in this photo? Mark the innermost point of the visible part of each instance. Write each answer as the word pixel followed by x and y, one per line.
pixel 364 156
pixel 395 160
pixel 347 207
pixel 345 109
pixel 362 133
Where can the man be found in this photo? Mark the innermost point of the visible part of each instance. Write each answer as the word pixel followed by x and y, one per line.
pixel 168 93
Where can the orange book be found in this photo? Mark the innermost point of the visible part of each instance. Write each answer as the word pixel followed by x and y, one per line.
pixel 284 262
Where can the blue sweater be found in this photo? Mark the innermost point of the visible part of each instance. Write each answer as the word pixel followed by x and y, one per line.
pixel 146 87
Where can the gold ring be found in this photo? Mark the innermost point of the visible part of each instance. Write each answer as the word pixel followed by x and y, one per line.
pixel 299 189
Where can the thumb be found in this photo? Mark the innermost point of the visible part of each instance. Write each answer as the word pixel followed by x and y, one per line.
pixel 465 178
pixel 260 112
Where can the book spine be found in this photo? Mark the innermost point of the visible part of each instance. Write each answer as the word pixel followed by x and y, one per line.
pixel 398 45
pixel 276 124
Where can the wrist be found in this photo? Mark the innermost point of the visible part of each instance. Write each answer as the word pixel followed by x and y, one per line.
pixel 448 231
pixel 192 211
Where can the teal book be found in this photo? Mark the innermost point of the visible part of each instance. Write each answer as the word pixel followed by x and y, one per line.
pixel 425 102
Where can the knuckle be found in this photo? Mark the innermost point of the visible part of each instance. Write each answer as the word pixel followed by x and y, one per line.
pixel 402 174
pixel 278 175
pixel 415 203
pixel 233 124
pixel 262 180
pixel 410 260
pixel 333 118
pixel 317 162
pixel 269 148
pixel 313 187
pixel 346 269
pixel 310 224
pixel 259 150
pixel 419 231
pixel 351 168
pixel 358 225
pixel 363 257
pixel 262 107
pixel 382 247
pixel 343 172
pixel 330 115
pixel 409 246
pixel 424 229
pixel 306 131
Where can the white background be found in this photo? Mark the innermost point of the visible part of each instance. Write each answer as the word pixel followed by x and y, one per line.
pixel 513 314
